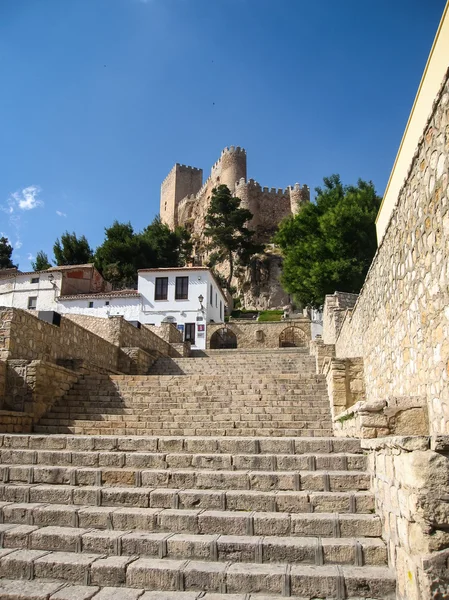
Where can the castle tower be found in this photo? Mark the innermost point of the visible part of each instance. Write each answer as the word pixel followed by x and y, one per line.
pixel 182 181
pixel 232 166
pixel 298 197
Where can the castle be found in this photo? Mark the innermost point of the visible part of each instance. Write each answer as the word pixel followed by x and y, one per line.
pixel 185 199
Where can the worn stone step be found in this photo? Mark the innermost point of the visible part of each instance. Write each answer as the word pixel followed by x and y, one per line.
pixel 21 589
pixel 211 547
pixel 283 501
pixel 326 581
pixel 317 481
pixel 178 431
pixel 189 444
pixel 143 422
pixel 196 521
pixel 185 460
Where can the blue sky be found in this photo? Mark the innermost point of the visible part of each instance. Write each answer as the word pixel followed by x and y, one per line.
pixel 101 97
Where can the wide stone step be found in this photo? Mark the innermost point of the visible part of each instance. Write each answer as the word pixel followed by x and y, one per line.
pixel 187 478
pixel 194 444
pixel 46 590
pixel 217 548
pixel 107 422
pixel 76 407
pixel 148 497
pixel 177 431
pixel 327 581
pixel 196 521
pixel 185 460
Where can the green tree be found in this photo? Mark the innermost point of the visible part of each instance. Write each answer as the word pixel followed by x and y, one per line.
pixel 41 263
pixel 5 254
pixel 230 239
pixel 124 251
pixel 71 250
pixel 329 244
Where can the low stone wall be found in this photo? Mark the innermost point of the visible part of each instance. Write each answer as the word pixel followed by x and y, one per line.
pixel 345 383
pixel 334 311
pixel 138 361
pixel 24 336
pixel 394 416
pixel 410 478
pixel 400 323
pixel 32 387
pixel 14 422
pixel 119 332
pixel 252 334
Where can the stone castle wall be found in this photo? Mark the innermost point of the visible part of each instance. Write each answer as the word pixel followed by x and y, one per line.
pixel 400 323
pixel 184 201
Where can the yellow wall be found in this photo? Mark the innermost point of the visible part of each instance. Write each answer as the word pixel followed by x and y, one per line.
pixel 431 81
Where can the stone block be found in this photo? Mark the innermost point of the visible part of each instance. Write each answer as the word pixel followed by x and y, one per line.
pixel 155 574
pixel 110 571
pixel 65 566
pixel 244 577
pixel 206 576
pixel 76 592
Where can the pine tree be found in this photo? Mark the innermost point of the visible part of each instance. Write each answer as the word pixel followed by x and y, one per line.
pixel 41 263
pixel 230 239
pixel 5 254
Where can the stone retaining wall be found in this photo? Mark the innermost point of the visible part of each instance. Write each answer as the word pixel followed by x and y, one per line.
pixel 400 323
pixel 119 332
pixel 24 336
pixel 410 478
pixel 252 334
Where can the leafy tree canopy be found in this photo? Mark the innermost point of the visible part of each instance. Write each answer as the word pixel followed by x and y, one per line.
pixel 71 250
pixel 124 251
pixel 41 263
pixel 329 244
pixel 5 254
pixel 230 239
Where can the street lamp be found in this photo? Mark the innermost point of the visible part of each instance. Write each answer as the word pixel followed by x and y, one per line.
pixel 200 299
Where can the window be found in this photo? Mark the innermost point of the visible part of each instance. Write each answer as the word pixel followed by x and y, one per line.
pixel 106 303
pixel 182 288
pixel 161 288
pixel 221 310
pixel 35 280
pixel 216 299
pixel 211 295
pixel 32 302
pixel 91 304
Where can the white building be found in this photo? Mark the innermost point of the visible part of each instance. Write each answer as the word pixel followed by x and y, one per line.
pixel 190 297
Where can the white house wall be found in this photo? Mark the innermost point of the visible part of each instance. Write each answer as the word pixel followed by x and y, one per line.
pixel 15 291
pixel 129 308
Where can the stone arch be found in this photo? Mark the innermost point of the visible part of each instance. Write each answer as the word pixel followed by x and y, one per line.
pixel 292 337
pixel 223 338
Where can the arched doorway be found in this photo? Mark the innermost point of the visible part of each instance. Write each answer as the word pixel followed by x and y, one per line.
pixel 223 338
pixel 292 337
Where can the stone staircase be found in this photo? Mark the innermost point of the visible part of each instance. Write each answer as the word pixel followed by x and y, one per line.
pixel 223 393
pixel 232 517
pixel 218 482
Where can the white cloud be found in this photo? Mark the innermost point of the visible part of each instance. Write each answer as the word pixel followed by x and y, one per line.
pixel 18 244
pixel 61 214
pixel 30 256
pixel 27 199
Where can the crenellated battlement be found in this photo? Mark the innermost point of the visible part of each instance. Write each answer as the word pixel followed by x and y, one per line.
pixel 180 168
pixel 255 185
pixel 184 193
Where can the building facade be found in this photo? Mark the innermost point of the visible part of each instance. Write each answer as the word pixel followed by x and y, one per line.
pixel 189 297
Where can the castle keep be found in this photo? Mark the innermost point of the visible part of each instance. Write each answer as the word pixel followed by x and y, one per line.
pixel 185 199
